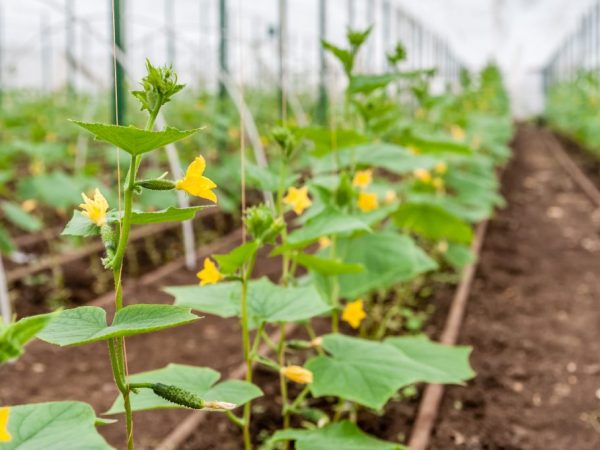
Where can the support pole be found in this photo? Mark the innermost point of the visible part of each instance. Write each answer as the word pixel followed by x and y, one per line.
pixel 69 44
pixel 351 14
pixel 322 104
pixel 119 94
pixel 223 50
pixel 5 306
pixel 170 25
pixel 45 54
pixel 282 54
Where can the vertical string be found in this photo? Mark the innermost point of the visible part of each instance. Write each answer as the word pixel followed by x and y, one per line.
pixel 242 115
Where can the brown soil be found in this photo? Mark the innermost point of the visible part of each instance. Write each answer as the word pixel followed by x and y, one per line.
pixel 533 319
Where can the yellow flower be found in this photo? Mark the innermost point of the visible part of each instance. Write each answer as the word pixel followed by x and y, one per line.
pixel 297 374
pixel 362 178
pixel 354 313
pixel 29 205
pixel 324 242
pixel 367 201
pixel 95 209
pixel 413 150
pixel 210 273
pixel 441 168
pixel 234 134
pixel 390 197
pixel 37 167
pixel 317 342
pixel 194 183
pixel 422 175
pixel 298 199
pixel 438 184
pixel 458 134
pixel 5 436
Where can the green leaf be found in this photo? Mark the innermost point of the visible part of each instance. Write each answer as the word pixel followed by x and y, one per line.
pixel 432 222
pixel 135 141
pixel 264 179
pixel 56 189
pixel 197 380
pixel 267 302
pixel 53 426
pixel 328 140
pixel 328 222
pixel 433 144
pixel 79 225
pixel 388 258
pixel 365 84
pixel 14 336
pixel 459 255
pixel 88 323
pixel 370 373
pixel 236 258
pixel 166 215
pixel 20 218
pixel 6 244
pixel 342 435
pixel 326 266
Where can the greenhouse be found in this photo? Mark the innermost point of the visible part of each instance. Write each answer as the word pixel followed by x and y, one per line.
pixel 299 224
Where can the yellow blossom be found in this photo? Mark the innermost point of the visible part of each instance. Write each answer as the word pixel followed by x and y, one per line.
pixel 234 134
pixel 458 134
pixel 210 273
pixel 37 167
pixel 324 242
pixel 413 150
pixel 194 183
pixel 298 199
pixel 95 209
pixel 367 201
pixel 5 436
pixel 220 406
pixel 362 178
pixel 317 342
pixel 441 168
pixel 29 205
pixel 354 313
pixel 297 374
pixel 51 137
pixel 422 175
pixel 390 197
pixel 438 184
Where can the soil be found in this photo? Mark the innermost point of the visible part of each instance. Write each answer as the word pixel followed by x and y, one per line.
pixel 533 319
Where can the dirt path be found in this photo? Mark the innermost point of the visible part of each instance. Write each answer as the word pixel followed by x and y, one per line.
pixel 533 319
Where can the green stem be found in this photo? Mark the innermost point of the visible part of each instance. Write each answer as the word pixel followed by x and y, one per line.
pixel 282 381
pixel 335 292
pixel 247 273
pixel 301 396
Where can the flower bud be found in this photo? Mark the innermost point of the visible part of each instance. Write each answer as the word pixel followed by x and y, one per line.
pixel 261 224
pixel 345 192
pixel 220 406
pixel 297 374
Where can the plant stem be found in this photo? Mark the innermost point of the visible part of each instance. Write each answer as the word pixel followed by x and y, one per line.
pixel 282 381
pixel 335 291
pixel 247 273
pixel 117 346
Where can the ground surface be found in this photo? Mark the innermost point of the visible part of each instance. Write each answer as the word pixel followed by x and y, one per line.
pixel 533 319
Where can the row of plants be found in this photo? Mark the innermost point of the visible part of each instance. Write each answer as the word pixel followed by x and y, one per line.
pixel 365 212
pixel 572 108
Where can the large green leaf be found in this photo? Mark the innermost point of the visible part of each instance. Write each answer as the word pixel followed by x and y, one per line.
pixel 365 84
pixel 267 302
pixel 328 222
pixel 341 435
pixel 135 141
pixel 56 189
pixel 326 266
pixel 85 324
pixel 435 145
pixel 388 258
pixel 6 244
pixel 20 218
pixel 232 261
pixel 432 222
pixel 370 372
pixel 197 380
pixel 53 426
pixel 14 336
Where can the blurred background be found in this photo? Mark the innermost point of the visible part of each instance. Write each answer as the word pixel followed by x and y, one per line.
pixel 50 44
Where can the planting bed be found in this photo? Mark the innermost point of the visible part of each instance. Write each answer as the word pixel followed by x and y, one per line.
pixel 533 318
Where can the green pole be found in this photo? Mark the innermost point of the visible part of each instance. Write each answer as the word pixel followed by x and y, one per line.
pixel 223 50
pixel 119 99
pixel 282 55
pixel 322 104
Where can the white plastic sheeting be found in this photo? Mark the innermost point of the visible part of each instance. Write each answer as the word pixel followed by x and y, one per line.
pixel 520 35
